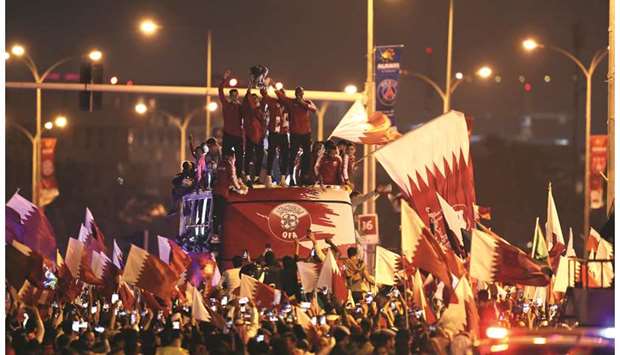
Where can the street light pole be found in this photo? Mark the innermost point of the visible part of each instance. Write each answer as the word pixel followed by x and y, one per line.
pixel 446 101
pixel 370 163
pixel 209 68
pixel 588 73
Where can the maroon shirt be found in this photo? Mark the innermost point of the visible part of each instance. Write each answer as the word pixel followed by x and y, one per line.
pixel 225 175
pixel 253 120
pixel 299 113
pixel 277 116
pixel 231 112
pixel 329 170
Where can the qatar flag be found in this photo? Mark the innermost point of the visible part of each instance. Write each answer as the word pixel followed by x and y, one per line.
pixel 332 278
pixel 94 237
pixel 27 224
pixel 434 159
pixel 461 316
pixel 357 127
pixel 261 294
pixel 553 233
pixel 172 254
pixel 149 273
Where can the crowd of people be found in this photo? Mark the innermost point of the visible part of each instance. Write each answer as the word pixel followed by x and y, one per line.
pixel 374 319
pixel 237 160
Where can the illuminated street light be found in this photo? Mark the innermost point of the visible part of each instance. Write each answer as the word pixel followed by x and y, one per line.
pixel 233 82
pixel 48 125
pixel 141 108
pixel 279 85
pixel 212 106
pixel 350 89
pixel 530 44
pixel 547 78
pixel 95 55
pixel 61 121
pixel 484 72
pixel 113 80
pixel 148 27
pixel 18 50
pixel 459 76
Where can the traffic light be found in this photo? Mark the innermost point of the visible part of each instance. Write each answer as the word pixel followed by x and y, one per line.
pixel 91 73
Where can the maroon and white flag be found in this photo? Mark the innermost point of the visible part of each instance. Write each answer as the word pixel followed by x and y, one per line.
pixel 553 232
pixel 199 311
pixel 430 160
pixel 94 238
pixel 22 264
pixel 419 298
pixel 149 273
pixel 261 294
pixel 462 316
pixel 172 254
pixel 32 295
pixel 332 278
pixel 387 266
pixel 420 248
pixel 495 260
pixel 88 265
pixel 308 274
pixel 117 256
pixel 27 224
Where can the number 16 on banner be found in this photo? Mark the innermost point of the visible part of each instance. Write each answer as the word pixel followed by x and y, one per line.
pixel 368 227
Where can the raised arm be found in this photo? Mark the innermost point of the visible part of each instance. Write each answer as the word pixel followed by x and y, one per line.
pixel 220 88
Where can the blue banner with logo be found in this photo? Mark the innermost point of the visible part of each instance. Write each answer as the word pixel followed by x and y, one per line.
pixel 387 72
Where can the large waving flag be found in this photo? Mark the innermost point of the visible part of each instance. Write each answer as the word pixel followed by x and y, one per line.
pixel 387 266
pixel 434 159
pixel 419 248
pixel 495 260
pixel 172 254
pixel 308 274
pixel 462 316
pixel 27 224
pixel 355 126
pixel 149 273
pixel 553 232
pixel 332 278
pixel 95 238
pixel 261 294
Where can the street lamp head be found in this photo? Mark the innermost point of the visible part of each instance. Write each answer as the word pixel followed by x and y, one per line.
pixel 458 76
pixel 18 50
pixel 530 44
pixel 484 72
pixel 61 121
pixel 95 55
pixel 141 108
pixel 148 27
pixel 233 82
pixel 350 89
pixel 212 106
pixel 279 85
pixel 48 125
pixel 114 80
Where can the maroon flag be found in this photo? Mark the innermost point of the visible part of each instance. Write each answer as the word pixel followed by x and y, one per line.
pixel 68 287
pixel 172 254
pixel 22 263
pixel 149 273
pixel 261 294
pixel 28 224
pixel 95 238
pixel 495 260
pixel 430 160
pixel 332 278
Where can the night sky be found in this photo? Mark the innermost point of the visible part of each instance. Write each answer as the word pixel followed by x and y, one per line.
pixel 320 45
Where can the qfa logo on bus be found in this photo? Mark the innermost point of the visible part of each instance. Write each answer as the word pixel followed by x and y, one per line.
pixel 289 221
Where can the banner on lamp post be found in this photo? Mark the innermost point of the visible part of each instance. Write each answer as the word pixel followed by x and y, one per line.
pixel 48 187
pixel 598 165
pixel 387 73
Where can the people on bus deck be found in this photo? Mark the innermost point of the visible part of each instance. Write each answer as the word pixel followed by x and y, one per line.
pixel 255 126
pixel 202 170
pixel 182 184
pixel 233 125
pixel 299 110
pixel 278 128
pixel 329 166
pixel 348 164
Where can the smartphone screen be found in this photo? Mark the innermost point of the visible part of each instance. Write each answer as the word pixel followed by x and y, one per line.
pixel 93 309
pixel 75 326
pixel 224 300
pixel 176 325
pixel 114 297
pixel 243 300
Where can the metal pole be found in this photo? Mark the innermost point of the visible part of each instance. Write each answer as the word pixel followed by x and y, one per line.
pixel 321 121
pixel 145 236
pixel 446 101
pixel 209 47
pixel 611 129
pixel 369 166
pixel 183 129
pixel 586 177
pixel 36 174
